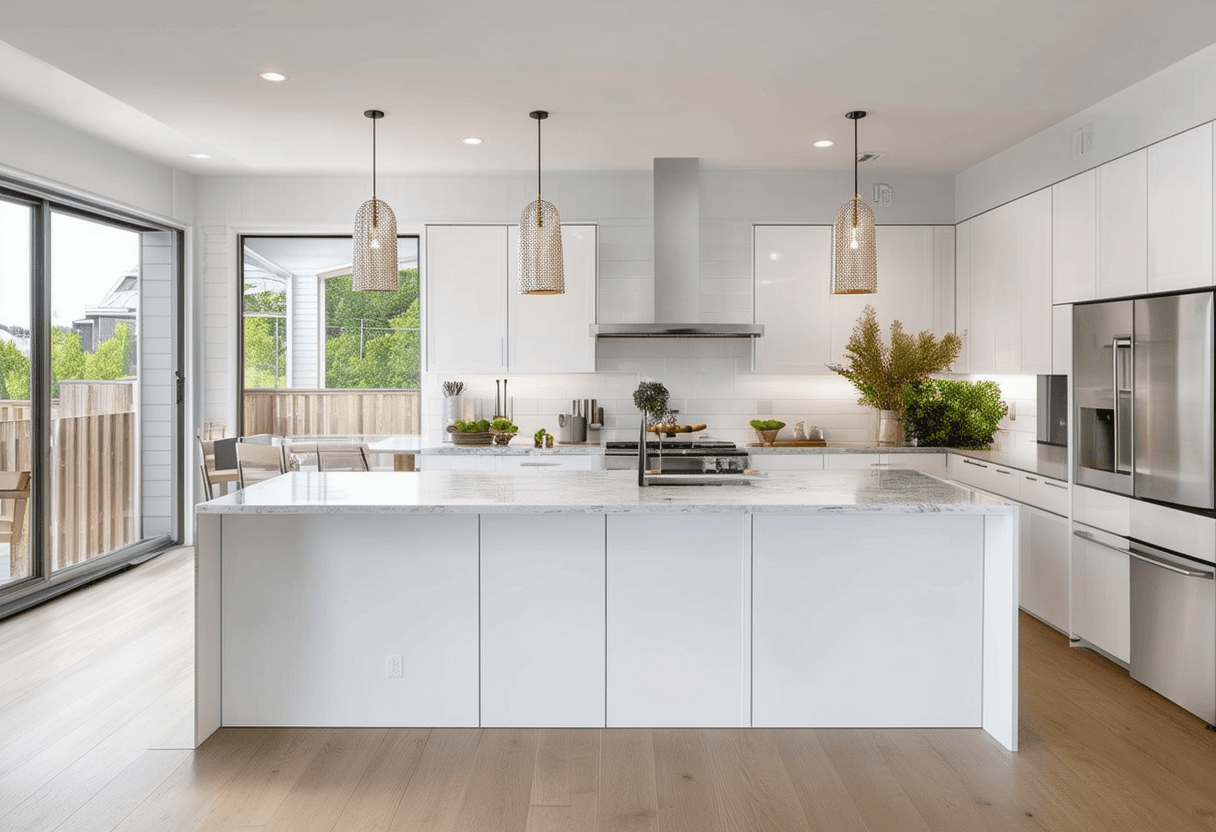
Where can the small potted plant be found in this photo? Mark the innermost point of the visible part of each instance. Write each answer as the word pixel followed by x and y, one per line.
pixel 503 431
pixel 542 439
pixel 767 429
pixel 881 371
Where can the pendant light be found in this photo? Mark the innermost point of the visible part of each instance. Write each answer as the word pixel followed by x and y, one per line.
pixel 540 239
pixel 854 251
pixel 375 261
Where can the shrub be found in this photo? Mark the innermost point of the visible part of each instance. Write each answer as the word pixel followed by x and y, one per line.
pixel 945 413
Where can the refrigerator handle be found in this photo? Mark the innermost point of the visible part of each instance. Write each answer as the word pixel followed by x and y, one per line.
pixel 1122 390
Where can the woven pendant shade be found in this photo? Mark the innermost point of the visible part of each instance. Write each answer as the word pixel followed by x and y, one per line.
pixel 854 247
pixel 854 250
pixel 375 261
pixel 541 268
pixel 541 271
pixel 374 266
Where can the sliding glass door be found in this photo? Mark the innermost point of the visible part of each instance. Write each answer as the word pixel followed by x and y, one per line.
pixel 90 392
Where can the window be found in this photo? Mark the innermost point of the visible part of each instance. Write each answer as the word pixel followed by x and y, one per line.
pixel 308 338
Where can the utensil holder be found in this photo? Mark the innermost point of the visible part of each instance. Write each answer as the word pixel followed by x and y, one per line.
pixel 451 414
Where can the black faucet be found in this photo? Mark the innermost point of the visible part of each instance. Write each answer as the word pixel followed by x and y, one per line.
pixel 642 460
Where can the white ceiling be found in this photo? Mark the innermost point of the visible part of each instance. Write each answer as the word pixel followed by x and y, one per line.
pixel 948 83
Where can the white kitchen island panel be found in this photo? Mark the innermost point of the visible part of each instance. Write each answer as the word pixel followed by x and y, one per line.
pixel 865 624
pixel 314 605
pixel 542 620
pixel 677 621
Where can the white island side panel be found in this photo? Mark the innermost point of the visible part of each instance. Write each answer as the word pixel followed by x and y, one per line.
pixel 860 623
pixel 313 606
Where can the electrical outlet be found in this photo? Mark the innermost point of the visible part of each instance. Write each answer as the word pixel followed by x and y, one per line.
pixel 883 195
pixel 393 670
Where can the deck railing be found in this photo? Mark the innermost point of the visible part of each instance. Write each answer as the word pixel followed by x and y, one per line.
pixel 293 412
pixel 93 487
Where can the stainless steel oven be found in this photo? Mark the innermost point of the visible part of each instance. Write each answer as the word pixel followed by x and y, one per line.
pixel 698 456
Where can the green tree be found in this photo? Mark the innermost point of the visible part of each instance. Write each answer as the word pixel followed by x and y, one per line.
pixel 14 372
pixel 67 358
pixel 372 338
pixel 110 360
pixel 265 353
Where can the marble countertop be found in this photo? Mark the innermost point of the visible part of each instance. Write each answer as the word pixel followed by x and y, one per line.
pixel 520 446
pixel 599 492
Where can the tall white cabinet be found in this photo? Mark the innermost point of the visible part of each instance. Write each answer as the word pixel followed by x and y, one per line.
pixel 1180 211
pixel 477 322
pixel 805 326
pixel 1004 288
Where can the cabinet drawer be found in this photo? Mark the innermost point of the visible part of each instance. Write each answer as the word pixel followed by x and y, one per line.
pixel 786 462
pixel 998 479
pixel 1045 493
pixel 1102 510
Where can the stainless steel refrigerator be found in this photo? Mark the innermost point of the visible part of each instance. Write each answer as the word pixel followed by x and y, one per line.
pixel 1143 387
pixel 1143 391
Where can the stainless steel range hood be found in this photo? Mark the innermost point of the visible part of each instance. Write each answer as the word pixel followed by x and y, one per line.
pixel 677 242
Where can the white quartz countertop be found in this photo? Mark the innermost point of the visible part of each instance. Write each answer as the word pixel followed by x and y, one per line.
pixel 599 492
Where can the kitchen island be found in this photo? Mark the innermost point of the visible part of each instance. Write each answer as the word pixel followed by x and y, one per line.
pixel 575 598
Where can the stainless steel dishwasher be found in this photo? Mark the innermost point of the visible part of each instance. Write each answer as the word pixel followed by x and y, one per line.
pixel 1173 627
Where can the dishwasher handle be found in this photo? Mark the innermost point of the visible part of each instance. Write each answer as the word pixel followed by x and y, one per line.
pixel 1165 564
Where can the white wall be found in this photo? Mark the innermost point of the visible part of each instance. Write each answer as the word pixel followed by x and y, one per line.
pixel 40 151
pixel 1175 99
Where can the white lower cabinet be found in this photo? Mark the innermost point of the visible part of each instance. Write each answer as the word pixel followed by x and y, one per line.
pixel 1044 566
pixel 827 591
pixel 491 461
pixel 542 620
pixel 786 462
pixel 931 462
pixel 677 616
pixel 1101 597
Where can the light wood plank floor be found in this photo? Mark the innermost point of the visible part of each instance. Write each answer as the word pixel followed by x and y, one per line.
pixel 95 696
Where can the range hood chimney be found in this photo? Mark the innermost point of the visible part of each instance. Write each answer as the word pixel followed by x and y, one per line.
pixel 677 256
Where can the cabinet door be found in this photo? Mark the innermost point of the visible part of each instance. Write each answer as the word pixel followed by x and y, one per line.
pixel 458 462
pixel 1101 597
pixel 907 282
pixel 793 267
pixel 986 267
pixel 1074 238
pixel 1180 211
pixel 677 612
pixel 1046 548
pixel 466 300
pixel 1123 226
pixel 542 620
pixel 552 333
pixel 962 293
pixel 1034 282
pixel 541 462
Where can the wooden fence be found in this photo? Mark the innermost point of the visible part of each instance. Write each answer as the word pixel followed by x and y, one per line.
pixel 92 398
pixel 312 412
pixel 92 490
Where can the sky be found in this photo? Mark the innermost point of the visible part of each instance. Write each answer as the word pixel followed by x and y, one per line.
pixel 87 259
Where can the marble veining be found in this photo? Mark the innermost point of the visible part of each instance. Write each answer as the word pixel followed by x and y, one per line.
pixel 599 492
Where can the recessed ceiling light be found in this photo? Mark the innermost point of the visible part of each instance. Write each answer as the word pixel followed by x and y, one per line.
pixel 824 143
pixel 471 140
pixel 273 76
pixel 199 156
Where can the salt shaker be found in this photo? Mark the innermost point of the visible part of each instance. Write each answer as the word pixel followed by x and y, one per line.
pixel 800 430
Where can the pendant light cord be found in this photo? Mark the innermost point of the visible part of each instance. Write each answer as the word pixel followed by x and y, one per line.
pixel 375 222
pixel 855 191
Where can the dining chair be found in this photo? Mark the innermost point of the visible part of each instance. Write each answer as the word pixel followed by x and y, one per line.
pixel 341 458
pixel 256 462
pixel 213 476
pixel 14 494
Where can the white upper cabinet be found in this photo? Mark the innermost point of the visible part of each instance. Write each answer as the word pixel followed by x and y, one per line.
pixel 793 267
pixel 477 322
pixel 1074 233
pixel 1180 211
pixel 1035 281
pixel 1122 226
pixel 1003 294
pixel 805 326
pixel 552 333
pixel 962 293
pixel 466 300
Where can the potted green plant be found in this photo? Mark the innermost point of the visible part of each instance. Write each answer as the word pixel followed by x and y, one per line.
pixel 948 413
pixel 881 371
